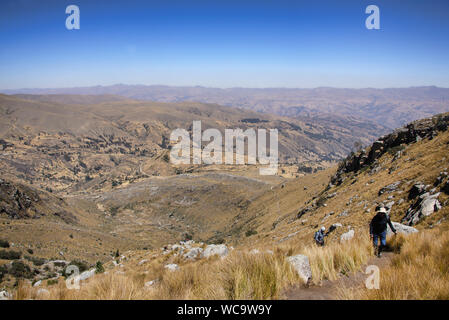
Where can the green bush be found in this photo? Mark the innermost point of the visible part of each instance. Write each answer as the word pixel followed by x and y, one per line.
pixel 99 267
pixel 82 266
pixel 52 282
pixel 20 270
pixel 4 244
pixel 3 272
pixel 251 232
pixel 10 255
pixel 35 260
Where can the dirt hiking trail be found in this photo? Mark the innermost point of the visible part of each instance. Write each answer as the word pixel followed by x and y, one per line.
pixel 327 290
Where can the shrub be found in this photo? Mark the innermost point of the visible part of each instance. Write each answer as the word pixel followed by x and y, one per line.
pixel 30 251
pixel 10 255
pixel 99 267
pixel 4 244
pixel 82 266
pixel 52 282
pixel 20 270
pixel 3 272
pixel 36 261
pixel 250 232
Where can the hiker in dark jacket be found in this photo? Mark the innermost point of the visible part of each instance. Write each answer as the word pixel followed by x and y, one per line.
pixel 378 229
pixel 319 236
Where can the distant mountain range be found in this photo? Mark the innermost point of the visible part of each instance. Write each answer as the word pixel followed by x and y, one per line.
pixel 390 108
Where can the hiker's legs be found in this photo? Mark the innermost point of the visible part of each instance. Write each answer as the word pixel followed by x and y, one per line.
pixel 375 240
pixel 383 240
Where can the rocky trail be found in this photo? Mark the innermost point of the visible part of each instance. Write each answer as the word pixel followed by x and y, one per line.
pixel 328 290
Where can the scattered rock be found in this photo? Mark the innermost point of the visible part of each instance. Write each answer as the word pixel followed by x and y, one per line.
pixel 87 274
pixel 193 253
pixel 149 284
pixel 347 235
pixel 301 265
pixel 172 267
pixel 390 188
pixel 424 206
pixel 401 228
pixel 215 249
pixel 142 262
pixel 4 295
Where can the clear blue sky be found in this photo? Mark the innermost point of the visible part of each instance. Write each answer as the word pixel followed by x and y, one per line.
pixel 225 43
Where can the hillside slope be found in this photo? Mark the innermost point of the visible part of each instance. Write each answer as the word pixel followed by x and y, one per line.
pixel 408 176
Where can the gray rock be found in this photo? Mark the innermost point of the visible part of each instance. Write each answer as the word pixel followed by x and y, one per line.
pixel 347 235
pixel 4 295
pixel 193 253
pixel 401 228
pixel 149 284
pixel 172 267
pixel 42 292
pixel 215 249
pixel 301 265
pixel 142 262
pixel 37 283
pixel 390 188
pixel 87 274
pixel 424 206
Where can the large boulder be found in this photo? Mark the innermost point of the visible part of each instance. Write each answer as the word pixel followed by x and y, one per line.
pixel 347 235
pixel 301 265
pixel 424 206
pixel 401 228
pixel 193 253
pixel 87 274
pixel 215 249
pixel 430 204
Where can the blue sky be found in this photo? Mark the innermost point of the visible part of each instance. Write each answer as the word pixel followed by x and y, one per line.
pixel 228 43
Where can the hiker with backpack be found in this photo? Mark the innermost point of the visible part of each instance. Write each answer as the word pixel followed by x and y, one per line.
pixel 378 230
pixel 319 236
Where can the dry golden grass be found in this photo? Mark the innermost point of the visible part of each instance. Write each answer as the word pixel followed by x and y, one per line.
pixel 420 271
pixel 339 258
pixel 239 276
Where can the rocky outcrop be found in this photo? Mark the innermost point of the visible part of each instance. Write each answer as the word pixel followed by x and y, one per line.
pixel 215 249
pixel 390 188
pixel 400 228
pixel 301 265
pixel 415 131
pixel 193 253
pixel 17 201
pixel 424 206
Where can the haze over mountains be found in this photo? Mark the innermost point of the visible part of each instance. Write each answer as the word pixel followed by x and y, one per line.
pixel 392 107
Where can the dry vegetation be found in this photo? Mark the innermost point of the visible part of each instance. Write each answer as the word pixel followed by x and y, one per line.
pixel 419 271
